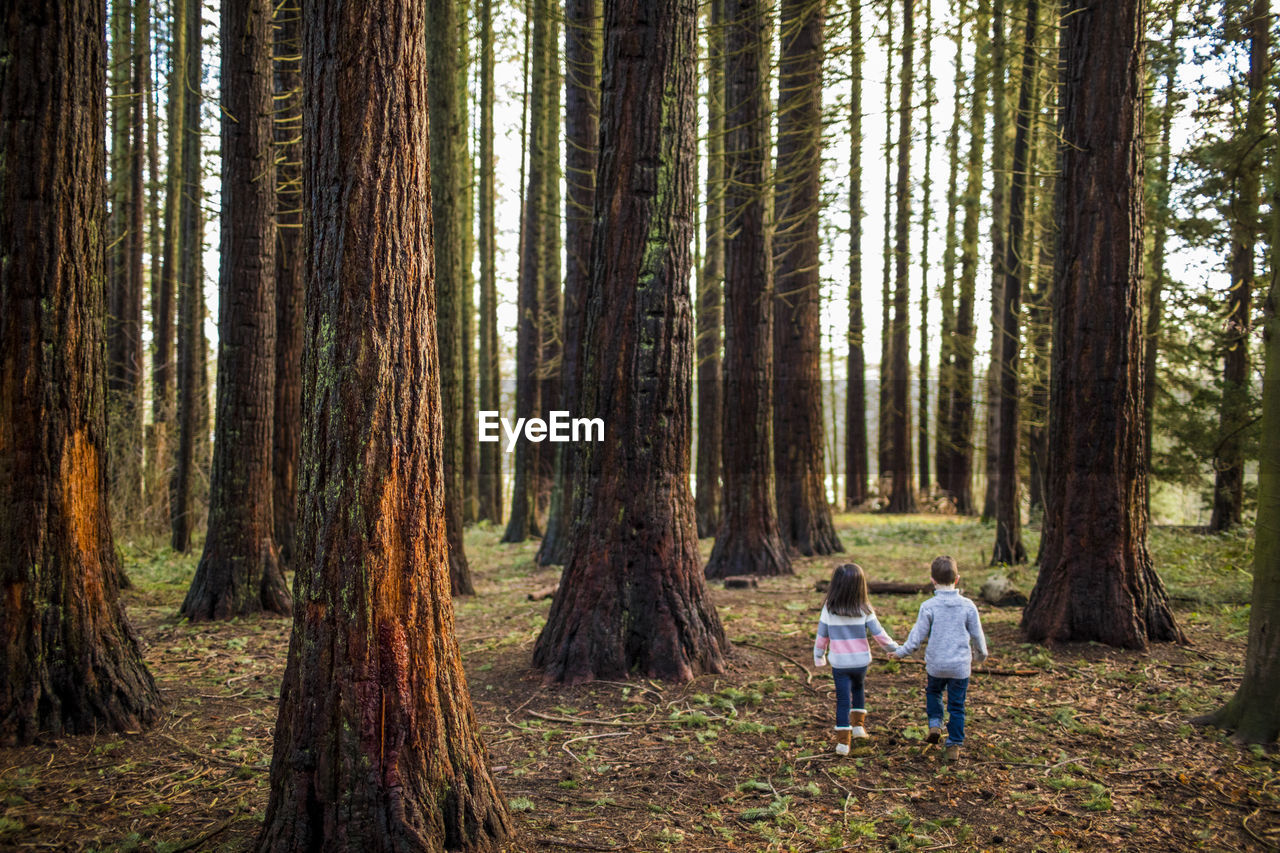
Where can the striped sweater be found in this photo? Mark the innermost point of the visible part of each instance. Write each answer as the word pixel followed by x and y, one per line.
pixel 843 640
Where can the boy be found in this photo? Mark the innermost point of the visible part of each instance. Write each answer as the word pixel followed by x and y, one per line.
pixel 948 621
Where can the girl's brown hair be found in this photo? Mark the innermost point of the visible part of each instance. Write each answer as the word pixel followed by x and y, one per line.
pixel 847 595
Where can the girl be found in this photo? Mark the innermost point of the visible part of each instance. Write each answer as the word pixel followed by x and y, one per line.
pixel 846 622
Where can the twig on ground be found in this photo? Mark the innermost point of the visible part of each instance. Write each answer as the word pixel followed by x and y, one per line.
pixel 586 721
pixel 565 745
pixel 577 845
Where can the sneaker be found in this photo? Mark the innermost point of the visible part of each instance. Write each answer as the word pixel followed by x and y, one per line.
pixel 951 753
pixel 935 734
pixel 842 741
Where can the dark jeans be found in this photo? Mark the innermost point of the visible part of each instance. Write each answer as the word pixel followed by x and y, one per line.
pixel 956 689
pixel 849 693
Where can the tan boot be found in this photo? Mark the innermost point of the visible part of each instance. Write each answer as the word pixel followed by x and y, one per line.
pixel 842 740
pixel 856 720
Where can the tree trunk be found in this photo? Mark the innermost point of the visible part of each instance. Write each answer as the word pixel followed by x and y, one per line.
pixel 749 541
pixel 239 571
pixel 999 224
pixel 884 429
pixel 1008 549
pixel 1096 580
pixel 857 466
pixel 446 154
pixel 552 274
pixel 944 450
pixel 632 598
pixel 710 308
pixel 926 220
pixel 190 248
pixel 902 497
pixel 799 453
pixel 376 746
pixel 1253 713
pixel 287 414
pixel 1228 485
pixel 523 522
pixel 71 663
pixel 465 178
pixel 489 505
pixel 582 117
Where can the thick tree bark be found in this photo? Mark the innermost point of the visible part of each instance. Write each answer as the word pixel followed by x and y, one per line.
pixel 376 747
pixel 582 111
pixel 902 497
pixel 523 522
pixel 71 663
pixel 857 465
pixel 710 305
pixel 287 413
pixel 632 598
pixel 489 505
pixel 239 571
pixel 190 284
pixel 1008 547
pixel 1253 713
pixel 1096 580
pixel 1228 484
pixel 799 452
pixel 748 541
pixel 446 154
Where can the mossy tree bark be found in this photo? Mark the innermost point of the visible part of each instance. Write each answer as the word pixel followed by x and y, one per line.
pixel 632 598
pixel 749 541
pixel 449 132
pixel 582 118
pixel 857 465
pixel 71 663
pixel 377 747
pixel 799 446
pixel 1096 580
pixel 239 571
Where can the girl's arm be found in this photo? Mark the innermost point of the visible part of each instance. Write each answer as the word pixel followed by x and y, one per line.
pixel 823 642
pixel 875 629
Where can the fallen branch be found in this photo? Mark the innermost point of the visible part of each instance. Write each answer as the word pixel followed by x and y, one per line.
pixel 585 721
pixel 808 676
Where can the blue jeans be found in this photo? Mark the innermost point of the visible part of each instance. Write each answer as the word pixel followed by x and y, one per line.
pixel 849 693
pixel 956 689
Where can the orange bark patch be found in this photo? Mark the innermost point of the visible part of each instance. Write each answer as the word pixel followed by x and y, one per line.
pixel 81 481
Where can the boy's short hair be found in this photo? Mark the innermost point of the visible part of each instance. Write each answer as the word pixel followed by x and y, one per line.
pixel 944 570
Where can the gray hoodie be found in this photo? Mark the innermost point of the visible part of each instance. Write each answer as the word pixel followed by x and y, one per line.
pixel 947 621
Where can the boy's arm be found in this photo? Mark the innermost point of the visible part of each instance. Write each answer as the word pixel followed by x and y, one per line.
pixel 823 642
pixel 875 629
pixel 919 633
pixel 974 624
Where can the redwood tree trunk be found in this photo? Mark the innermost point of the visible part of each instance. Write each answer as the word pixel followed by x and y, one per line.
pixel 857 465
pixel 239 571
pixel 287 415
pixel 71 663
pixel 489 504
pixel 749 541
pixel 376 746
pixel 799 447
pixel 1096 580
pixel 632 598
pixel 710 307
pixel 446 154
pixel 582 111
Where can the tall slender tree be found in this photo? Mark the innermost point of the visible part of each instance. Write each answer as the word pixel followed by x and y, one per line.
pixel 287 411
pixel 632 598
pixel 884 430
pixel 71 663
pixel 376 746
pixel 552 273
pixel 857 466
pixel 999 229
pixel 902 497
pixel 466 179
pixel 190 282
pixel 239 571
pixel 1008 547
pixel 710 302
pixel 523 522
pixel 1228 484
pixel 447 153
pixel 582 118
pixel 926 223
pixel 1096 580
pixel 799 452
pixel 749 541
pixel 489 505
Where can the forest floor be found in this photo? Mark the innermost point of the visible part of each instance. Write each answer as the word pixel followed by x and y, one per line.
pixel 1084 748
